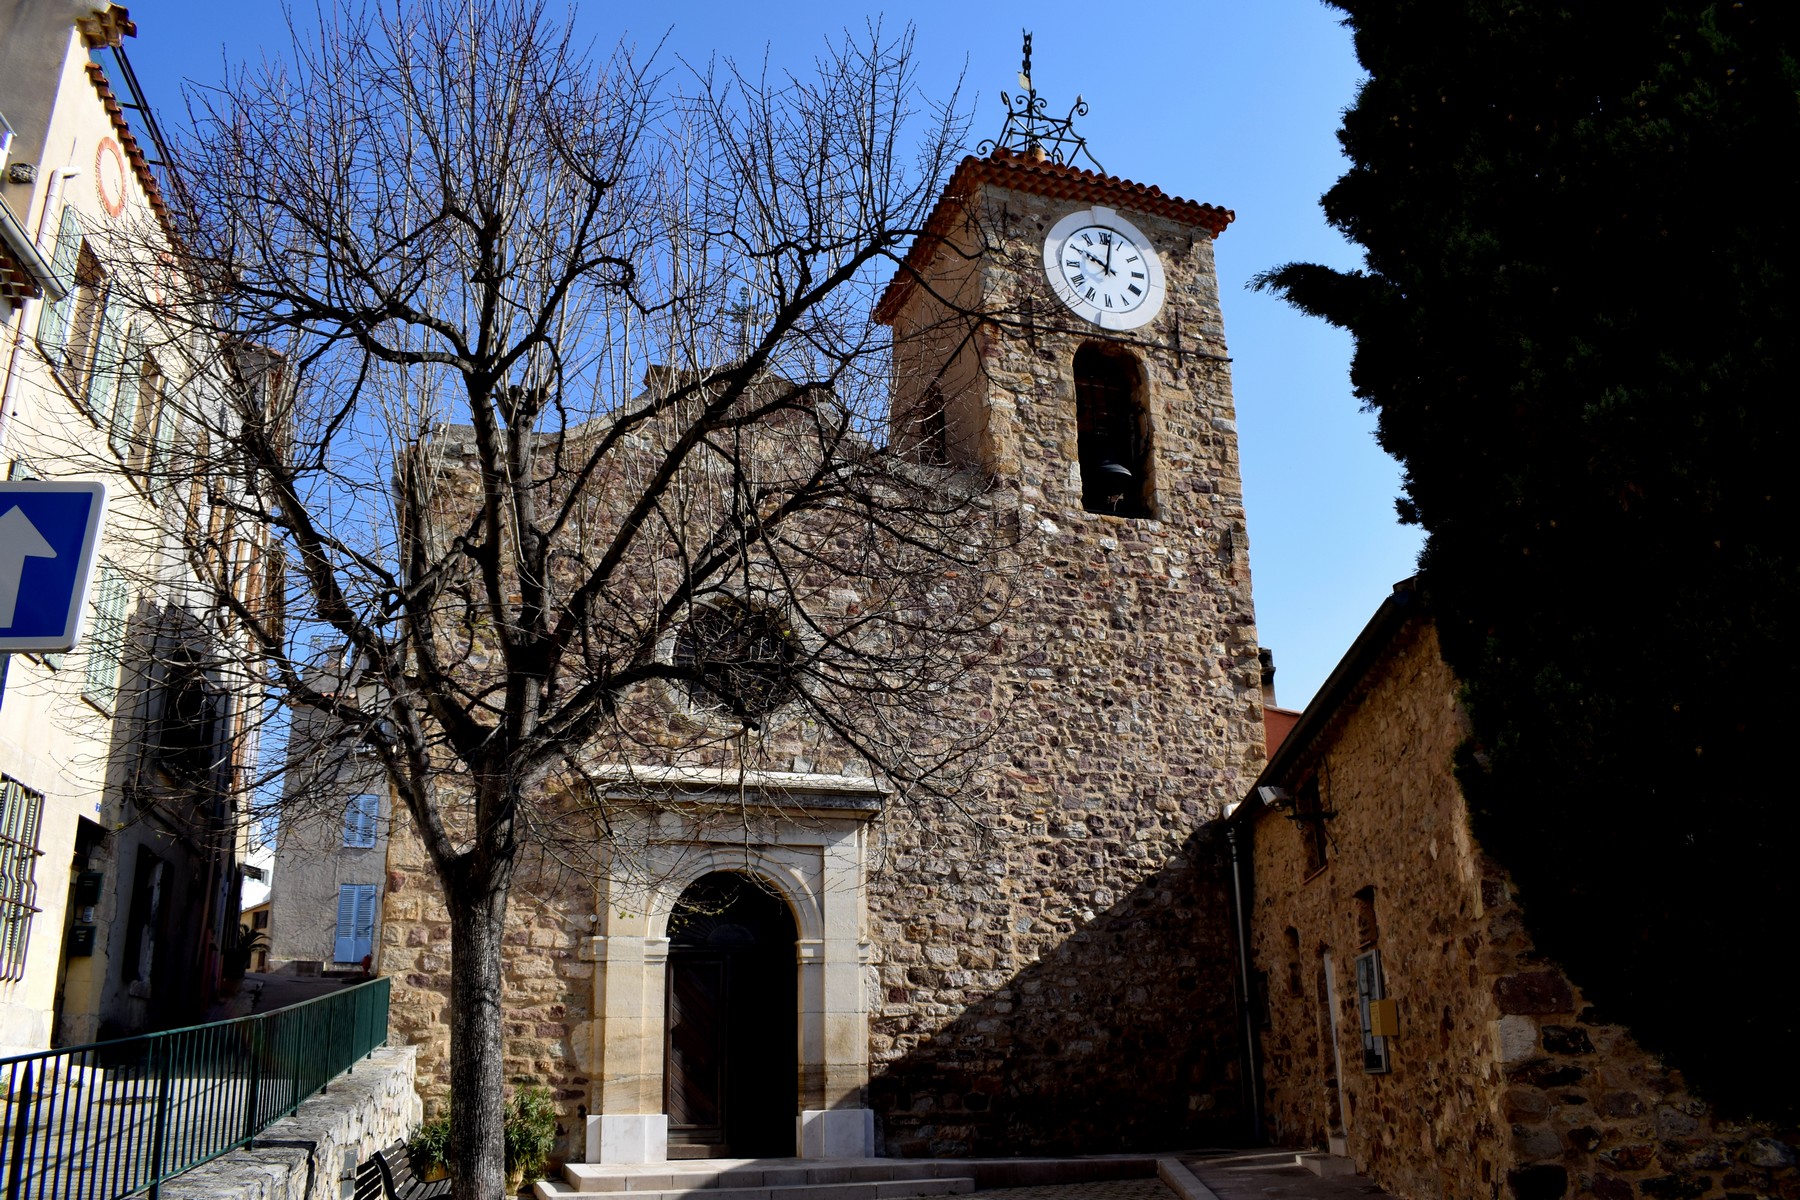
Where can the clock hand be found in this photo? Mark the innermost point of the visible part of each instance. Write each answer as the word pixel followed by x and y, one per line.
pixel 1096 258
pixel 1108 265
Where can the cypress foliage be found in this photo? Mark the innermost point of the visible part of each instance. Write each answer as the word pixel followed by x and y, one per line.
pixel 1578 328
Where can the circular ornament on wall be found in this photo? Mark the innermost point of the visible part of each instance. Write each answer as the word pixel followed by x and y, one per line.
pixel 109 177
pixel 1104 269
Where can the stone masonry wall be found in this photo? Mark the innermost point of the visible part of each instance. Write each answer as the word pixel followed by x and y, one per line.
pixel 1503 1081
pixel 1064 985
pixel 310 1154
pixel 1050 959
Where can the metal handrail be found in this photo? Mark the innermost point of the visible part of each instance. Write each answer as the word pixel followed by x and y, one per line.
pixel 119 1118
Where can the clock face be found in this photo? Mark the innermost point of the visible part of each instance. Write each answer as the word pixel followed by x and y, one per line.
pixel 1104 269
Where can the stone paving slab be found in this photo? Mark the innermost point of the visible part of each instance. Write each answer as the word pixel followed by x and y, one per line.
pixel 1104 1189
pixel 1273 1175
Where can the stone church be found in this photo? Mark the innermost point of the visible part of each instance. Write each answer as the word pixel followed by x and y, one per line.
pixel 833 975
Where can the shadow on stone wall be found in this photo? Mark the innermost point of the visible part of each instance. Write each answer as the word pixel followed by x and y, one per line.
pixel 1124 1038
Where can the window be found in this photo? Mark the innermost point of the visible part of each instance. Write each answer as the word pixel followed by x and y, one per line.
pixel 72 350
pixel 1115 443
pixel 355 923
pixel 143 922
pixel 21 811
pixel 360 816
pixel 106 641
pixel 930 432
pixel 1371 993
pixel 259 920
pixel 53 320
pixel 184 738
pixel 1310 815
pixel 1366 930
pixel 739 657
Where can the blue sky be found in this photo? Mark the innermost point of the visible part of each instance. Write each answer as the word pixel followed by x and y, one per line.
pixel 1234 104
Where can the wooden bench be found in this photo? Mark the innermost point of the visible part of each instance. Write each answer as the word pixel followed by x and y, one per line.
pixel 389 1176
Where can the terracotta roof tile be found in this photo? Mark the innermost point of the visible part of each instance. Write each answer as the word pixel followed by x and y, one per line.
pixel 1057 181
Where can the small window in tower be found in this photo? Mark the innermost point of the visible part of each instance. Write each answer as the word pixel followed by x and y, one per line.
pixel 1115 441
pixel 931 428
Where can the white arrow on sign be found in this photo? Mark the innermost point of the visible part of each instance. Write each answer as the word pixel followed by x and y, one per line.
pixel 19 540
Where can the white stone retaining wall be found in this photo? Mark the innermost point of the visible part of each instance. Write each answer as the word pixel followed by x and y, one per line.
pixel 310 1154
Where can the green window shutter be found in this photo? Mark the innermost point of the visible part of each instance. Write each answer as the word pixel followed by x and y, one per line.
pixel 124 409
pixel 161 467
pixel 106 645
pixel 53 321
pixel 103 381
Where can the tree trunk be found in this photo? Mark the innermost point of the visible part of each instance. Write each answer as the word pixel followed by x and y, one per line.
pixel 477 1052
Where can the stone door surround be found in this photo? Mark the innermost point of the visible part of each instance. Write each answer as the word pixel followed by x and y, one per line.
pixel 806 836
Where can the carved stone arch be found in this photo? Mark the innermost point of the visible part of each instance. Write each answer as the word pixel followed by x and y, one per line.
pixel 785 879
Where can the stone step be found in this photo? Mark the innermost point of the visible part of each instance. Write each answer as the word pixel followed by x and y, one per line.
pixel 1325 1165
pixel 865 1189
pixel 711 1174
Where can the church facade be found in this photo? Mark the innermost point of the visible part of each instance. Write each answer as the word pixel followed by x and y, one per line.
pixel 792 962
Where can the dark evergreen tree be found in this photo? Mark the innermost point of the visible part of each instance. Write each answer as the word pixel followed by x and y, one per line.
pixel 1578 328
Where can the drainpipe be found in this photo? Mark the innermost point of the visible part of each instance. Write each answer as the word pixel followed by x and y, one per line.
pixel 1246 993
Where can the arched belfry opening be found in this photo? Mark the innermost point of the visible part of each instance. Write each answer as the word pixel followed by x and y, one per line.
pixel 1114 431
pixel 731 1075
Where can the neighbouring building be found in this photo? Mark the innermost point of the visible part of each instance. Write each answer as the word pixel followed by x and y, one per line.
pixel 330 853
pixel 118 762
pixel 1059 980
pixel 1406 1024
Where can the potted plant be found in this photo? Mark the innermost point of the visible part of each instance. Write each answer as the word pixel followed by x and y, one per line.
pixel 429 1148
pixel 530 1135
pixel 239 949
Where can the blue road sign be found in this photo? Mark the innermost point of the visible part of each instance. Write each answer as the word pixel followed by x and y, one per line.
pixel 49 531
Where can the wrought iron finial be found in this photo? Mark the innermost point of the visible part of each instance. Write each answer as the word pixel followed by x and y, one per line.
pixel 1030 130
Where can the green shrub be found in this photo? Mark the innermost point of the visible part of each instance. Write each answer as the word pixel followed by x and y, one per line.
pixel 429 1146
pixel 530 1131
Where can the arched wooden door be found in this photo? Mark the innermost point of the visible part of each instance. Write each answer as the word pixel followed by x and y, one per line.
pixel 730 1076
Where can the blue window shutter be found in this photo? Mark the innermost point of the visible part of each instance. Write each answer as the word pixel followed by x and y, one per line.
pixel 53 321
pixel 360 815
pixel 365 921
pixel 346 925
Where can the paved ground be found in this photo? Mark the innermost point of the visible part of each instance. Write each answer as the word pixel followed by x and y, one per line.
pixel 265 993
pixel 1109 1189
pixel 1270 1175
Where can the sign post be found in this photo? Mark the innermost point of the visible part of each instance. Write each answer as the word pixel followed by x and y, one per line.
pixel 49 534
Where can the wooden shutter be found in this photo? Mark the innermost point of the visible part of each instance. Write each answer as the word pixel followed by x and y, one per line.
pixel 53 320
pixel 161 466
pixel 125 395
pixel 365 921
pixel 346 925
pixel 106 645
pixel 103 380
pixel 360 816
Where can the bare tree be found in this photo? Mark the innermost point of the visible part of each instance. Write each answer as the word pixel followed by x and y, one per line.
pixel 566 407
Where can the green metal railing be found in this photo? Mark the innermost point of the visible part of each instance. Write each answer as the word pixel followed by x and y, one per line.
pixel 119 1118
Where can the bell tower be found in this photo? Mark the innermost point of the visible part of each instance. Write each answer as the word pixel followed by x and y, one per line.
pixel 1057 328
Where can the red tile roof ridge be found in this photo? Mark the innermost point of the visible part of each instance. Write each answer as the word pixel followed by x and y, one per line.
pixel 1024 173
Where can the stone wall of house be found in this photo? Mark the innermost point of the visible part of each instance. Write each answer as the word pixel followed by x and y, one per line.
pixel 1050 964
pixel 1497 1057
